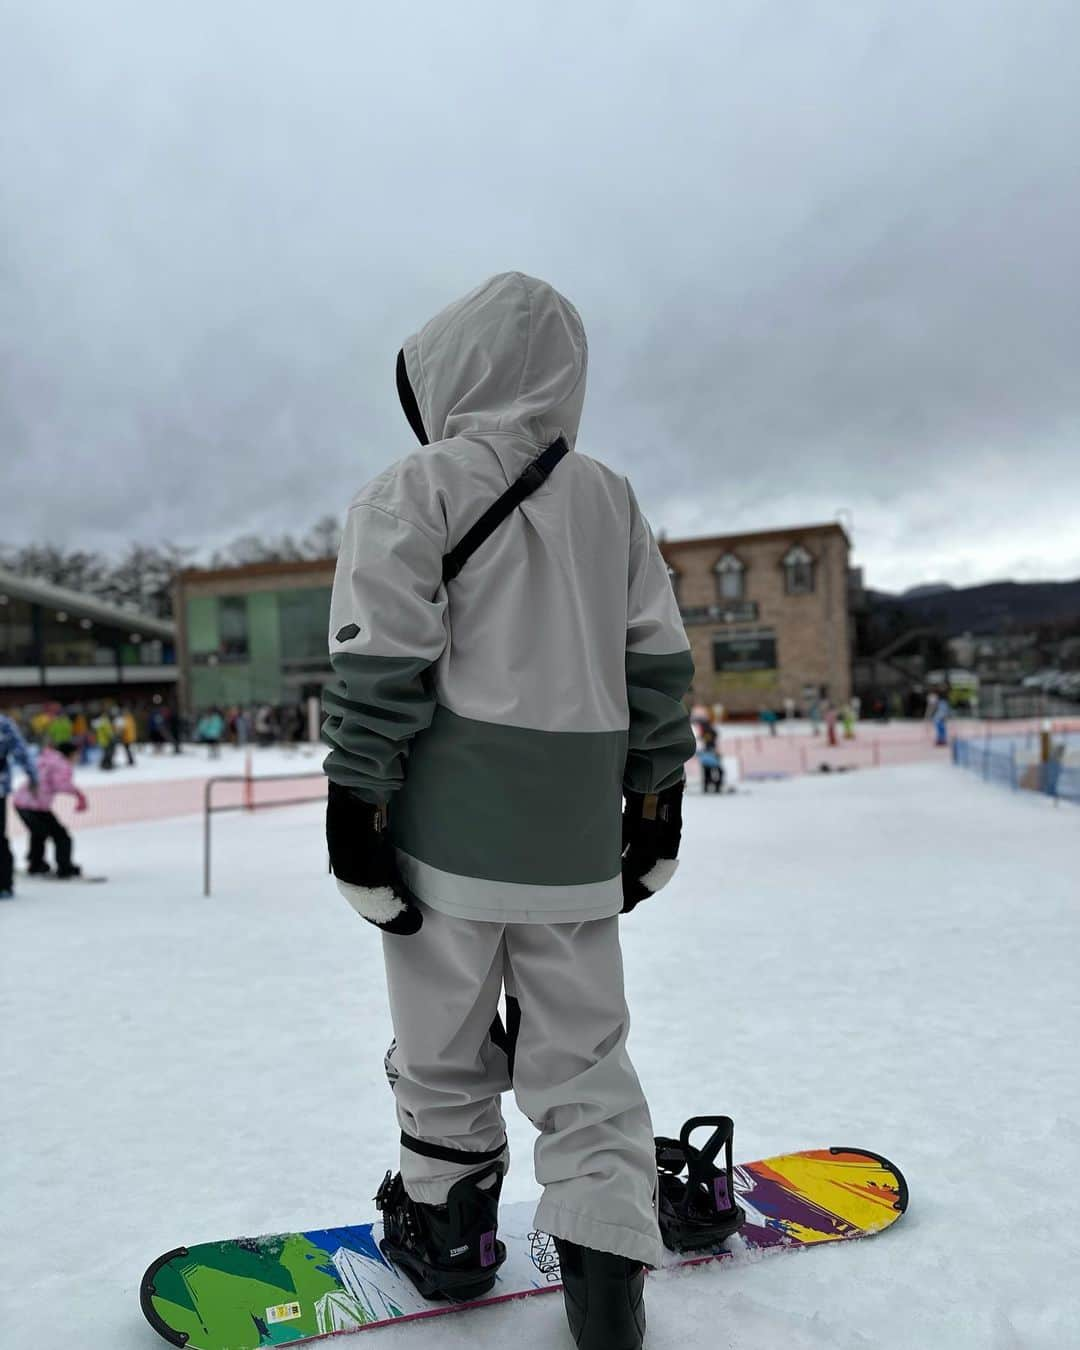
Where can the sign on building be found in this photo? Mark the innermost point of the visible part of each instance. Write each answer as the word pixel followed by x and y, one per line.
pixel 746 659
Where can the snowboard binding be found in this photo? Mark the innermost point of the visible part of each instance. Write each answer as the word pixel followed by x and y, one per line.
pixel 447 1251
pixel 697 1211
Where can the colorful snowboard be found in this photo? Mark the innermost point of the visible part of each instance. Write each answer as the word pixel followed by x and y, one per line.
pixel 291 1287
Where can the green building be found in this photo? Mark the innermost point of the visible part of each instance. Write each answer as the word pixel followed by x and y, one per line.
pixel 254 634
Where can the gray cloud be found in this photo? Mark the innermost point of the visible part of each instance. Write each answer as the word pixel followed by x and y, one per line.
pixel 825 253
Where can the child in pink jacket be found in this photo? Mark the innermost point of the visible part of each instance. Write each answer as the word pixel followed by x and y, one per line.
pixel 55 775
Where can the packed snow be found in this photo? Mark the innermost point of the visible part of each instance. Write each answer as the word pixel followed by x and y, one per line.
pixel 883 959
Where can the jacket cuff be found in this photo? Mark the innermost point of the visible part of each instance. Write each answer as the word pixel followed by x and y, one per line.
pixel 377 904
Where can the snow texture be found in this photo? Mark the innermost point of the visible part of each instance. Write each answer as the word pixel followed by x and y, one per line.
pixel 885 959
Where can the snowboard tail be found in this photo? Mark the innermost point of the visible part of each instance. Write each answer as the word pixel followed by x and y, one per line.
pixel 287 1288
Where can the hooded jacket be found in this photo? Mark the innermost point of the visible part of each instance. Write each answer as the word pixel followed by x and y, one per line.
pixel 501 716
pixel 55 776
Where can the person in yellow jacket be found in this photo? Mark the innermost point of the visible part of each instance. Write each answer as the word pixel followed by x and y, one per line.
pixel 126 733
pixel 105 737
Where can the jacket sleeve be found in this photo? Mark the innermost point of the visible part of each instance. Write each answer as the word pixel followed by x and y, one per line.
pixel 659 669
pixel 17 748
pixel 386 632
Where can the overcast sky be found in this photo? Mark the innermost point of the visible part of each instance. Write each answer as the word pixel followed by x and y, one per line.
pixel 826 254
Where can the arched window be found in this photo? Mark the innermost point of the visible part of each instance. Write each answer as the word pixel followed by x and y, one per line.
pixel 798 571
pixel 730 578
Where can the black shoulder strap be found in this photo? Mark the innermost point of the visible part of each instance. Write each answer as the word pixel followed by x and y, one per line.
pixel 536 474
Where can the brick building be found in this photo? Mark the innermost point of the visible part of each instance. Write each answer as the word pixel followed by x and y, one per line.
pixel 767 615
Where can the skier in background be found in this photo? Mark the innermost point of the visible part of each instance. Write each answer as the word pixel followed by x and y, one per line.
pixel 157 730
pixel 242 727
pixel 847 720
pixel 265 726
pixel 105 735
pixel 12 749
pixel 709 757
pixel 939 713
pixel 175 726
pixel 61 728
pixel 126 732
pixel 34 803
pixel 210 729
pixel 82 735
pixel 483 877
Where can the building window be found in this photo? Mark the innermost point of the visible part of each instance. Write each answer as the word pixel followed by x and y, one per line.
pixel 798 571
pixel 730 578
pixel 304 617
pixel 233 626
pixel 18 644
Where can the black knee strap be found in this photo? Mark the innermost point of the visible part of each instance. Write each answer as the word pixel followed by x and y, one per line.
pixel 450 1155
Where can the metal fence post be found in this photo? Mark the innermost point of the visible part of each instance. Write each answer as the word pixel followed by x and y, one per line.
pixel 206 836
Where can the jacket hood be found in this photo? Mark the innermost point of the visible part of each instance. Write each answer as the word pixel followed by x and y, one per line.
pixel 509 357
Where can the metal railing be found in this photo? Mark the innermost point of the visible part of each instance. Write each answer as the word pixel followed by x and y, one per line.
pixel 249 790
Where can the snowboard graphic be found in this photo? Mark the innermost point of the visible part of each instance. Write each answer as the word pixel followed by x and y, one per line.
pixel 292 1287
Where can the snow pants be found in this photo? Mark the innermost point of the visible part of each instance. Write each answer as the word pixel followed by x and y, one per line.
pixel 569 1071
pixel 7 863
pixel 43 826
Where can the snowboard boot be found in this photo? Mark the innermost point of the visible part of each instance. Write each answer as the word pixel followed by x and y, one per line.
pixel 604 1296
pixel 39 870
pixel 448 1251
pixel 69 873
pixel 698 1211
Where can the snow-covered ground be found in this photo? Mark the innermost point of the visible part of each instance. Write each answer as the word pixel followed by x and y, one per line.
pixel 195 762
pixel 885 959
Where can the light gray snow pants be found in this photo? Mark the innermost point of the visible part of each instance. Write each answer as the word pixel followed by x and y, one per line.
pixel 572 1075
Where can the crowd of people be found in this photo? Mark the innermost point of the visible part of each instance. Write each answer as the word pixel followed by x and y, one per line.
pixel 100 733
pixel 105 735
pixel 825 718
pixel 48 742
pixel 261 724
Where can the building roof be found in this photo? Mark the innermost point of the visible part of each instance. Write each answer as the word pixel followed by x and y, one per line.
pixel 298 566
pixel 792 534
pixel 82 606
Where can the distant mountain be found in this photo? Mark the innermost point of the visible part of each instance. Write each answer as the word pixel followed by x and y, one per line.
pixel 930 588
pixel 997 607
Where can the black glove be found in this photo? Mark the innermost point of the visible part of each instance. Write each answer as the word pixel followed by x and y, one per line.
pixel 652 829
pixel 363 861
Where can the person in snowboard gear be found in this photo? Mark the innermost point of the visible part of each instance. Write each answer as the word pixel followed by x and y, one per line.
pixel 709 756
pixel 13 749
pixel 500 690
pixel 55 776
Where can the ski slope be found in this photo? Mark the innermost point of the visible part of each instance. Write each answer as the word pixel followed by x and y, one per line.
pixel 885 959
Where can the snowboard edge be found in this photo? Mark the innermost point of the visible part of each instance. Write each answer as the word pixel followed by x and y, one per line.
pixel 901 1203
pixel 146 1298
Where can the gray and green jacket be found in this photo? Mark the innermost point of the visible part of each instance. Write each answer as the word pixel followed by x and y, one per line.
pixel 501 716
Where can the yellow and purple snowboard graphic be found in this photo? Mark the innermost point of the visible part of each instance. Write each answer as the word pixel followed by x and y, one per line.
pixel 292 1287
